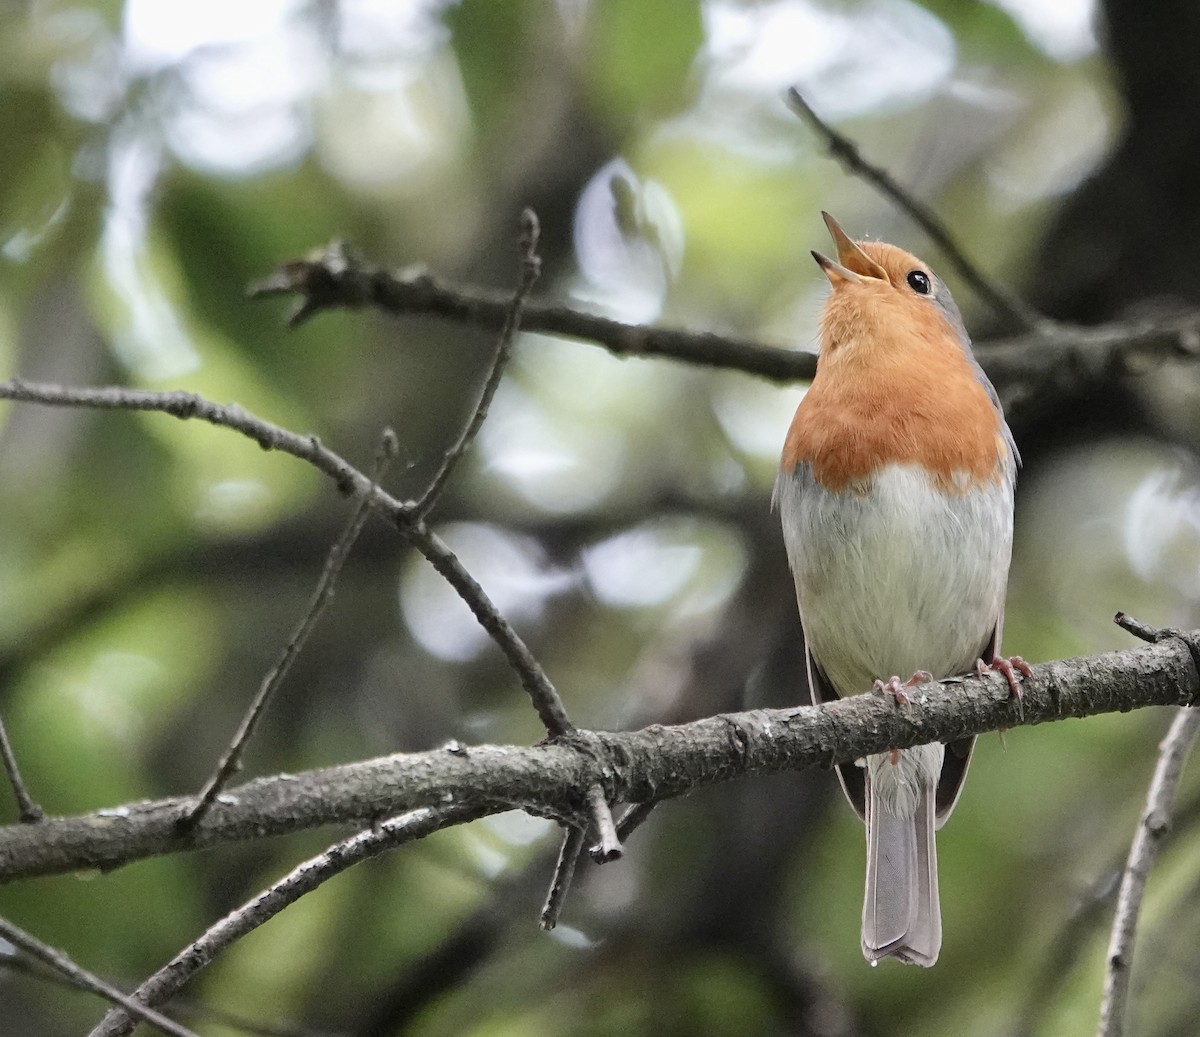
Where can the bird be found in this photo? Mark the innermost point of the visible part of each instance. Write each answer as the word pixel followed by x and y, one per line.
pixel 895 490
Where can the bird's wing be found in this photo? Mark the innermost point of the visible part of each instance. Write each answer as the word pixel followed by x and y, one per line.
pixel 958 753
pixel 849 774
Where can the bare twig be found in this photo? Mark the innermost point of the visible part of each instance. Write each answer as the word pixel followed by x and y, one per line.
pixel 564 872
pixel 608 844
pixel 635 817
pixel 1071 943
pixel 84 980
pixel 545 697
pixel 1154 824
pixel 531 267
pixel 231 761
pixel 349 480
pixel 657 762
pixel 607 848
pixel 183 1008
pixel 846 151
pixel 1140 630
pixel 167 981
pixel 27 809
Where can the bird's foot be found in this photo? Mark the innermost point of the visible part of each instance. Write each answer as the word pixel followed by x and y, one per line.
pixel 1009 666
pixel 896 688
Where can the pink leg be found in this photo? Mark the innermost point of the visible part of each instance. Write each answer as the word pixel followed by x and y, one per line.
pixel 894 687
pixel 1009 666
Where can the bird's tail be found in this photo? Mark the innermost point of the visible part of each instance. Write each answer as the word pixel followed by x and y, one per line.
pixel 902 917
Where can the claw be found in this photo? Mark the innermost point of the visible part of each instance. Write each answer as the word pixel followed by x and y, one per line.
pixel 893 687
pixel 1009 666
pixel 896 688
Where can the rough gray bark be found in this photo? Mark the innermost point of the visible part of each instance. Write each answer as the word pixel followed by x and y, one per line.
pixel 657 762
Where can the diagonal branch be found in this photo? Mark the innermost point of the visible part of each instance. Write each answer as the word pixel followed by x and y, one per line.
pixel 637 766
pixel 349 480
pixel 306 877
pixel 1153 826
pixel 231 761
pixel 531 267
pixel 84 980
pixel 1006 305
pixel 27 808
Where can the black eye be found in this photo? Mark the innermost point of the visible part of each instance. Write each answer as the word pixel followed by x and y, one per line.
pixel 918 281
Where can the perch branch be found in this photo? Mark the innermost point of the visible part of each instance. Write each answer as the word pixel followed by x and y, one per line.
pixel 657 762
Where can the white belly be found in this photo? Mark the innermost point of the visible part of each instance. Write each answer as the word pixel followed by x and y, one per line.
pixel 898 579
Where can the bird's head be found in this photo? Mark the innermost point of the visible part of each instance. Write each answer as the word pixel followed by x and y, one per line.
pixel 884 298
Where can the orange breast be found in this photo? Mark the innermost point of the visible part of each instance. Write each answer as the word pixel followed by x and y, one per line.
pixel 892 388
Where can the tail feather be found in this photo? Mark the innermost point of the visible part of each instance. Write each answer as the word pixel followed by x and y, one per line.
pixel 901 912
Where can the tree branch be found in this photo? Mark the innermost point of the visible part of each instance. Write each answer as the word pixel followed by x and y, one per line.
pixel 1153 826
pixel 1022 367
pixel 349 480
pixel 167 981
pixel 1154 823
pixel 1005 303
pixel 80 978
pixel 338 278
pixel 654 763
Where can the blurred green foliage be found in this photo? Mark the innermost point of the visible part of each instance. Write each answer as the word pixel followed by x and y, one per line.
pixel 157 159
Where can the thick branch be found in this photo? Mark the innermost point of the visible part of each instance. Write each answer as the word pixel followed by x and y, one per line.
pixel 337 278
pixel 654 763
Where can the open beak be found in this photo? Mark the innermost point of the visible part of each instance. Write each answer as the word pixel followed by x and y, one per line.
pixel 852 263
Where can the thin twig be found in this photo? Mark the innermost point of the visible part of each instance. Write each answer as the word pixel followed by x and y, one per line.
pixel 27 810
pixel 84 980
pixel 531 267
pixel 1154 824
pixel 1140 630
pixel 564 871
pixel 608 846
pixel 349 480
pixel 635 817
pixel 544 695
pixel 846 151
pixel 189 1009
pixel 231 761
pixel 1071 942
pixel 167 981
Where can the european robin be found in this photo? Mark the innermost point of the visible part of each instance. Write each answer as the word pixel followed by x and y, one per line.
pixel 896 494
